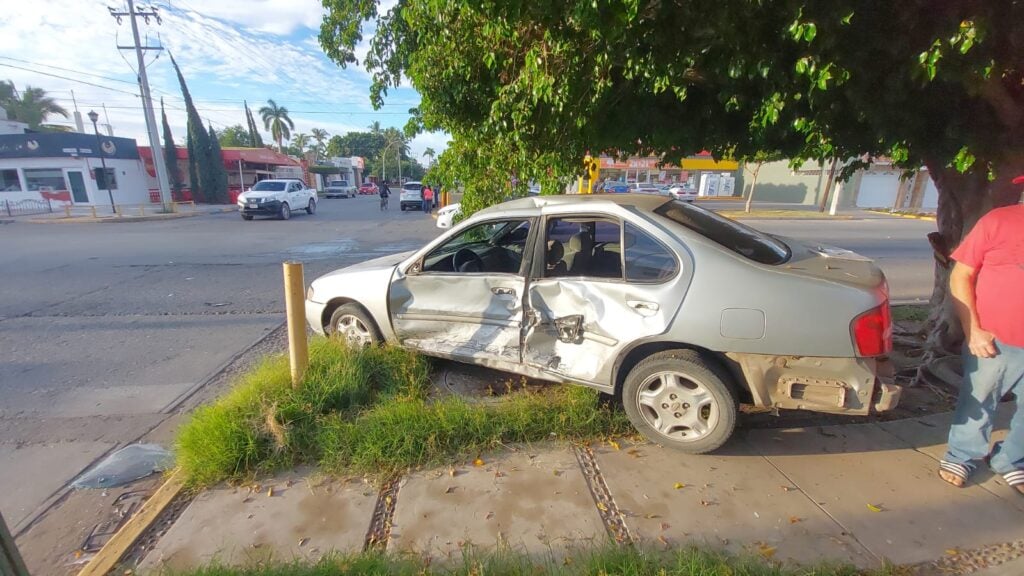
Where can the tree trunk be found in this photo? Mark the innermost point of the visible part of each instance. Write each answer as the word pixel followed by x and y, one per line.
pixel 753 185
pixel 963 200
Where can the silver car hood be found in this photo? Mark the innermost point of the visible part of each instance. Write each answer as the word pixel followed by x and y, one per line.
pixel 382 263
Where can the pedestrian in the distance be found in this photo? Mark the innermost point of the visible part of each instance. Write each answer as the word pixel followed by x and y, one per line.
pixel 428 199
pixel 986 284
pixel 384 193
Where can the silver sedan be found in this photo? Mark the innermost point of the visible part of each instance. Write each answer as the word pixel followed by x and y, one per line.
pixel 681 313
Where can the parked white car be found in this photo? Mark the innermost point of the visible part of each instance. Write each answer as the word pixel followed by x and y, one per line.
pixel 279 197
pixel 643 188
pixel 339 189
pixel 446 215
pixel 680 192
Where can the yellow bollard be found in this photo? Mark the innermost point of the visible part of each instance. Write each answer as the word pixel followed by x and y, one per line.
pixel 67 210
pixel 174 207
pixel 579 189
pixel 142 209
pixel 118 210
pixel 295 311
pixel 93 211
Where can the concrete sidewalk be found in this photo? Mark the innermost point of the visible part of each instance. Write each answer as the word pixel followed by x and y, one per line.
pixel 863 494
pixel 135 213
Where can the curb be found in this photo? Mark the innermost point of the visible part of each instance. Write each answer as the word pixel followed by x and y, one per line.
pixel 128 219
pixel 927 217
pixel 115 548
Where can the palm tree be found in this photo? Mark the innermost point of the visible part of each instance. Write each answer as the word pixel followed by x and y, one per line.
pixel 301 142
pixel 429 153
pixel 276 119
pixel 375 127
pixel 33 106
pixel 321 136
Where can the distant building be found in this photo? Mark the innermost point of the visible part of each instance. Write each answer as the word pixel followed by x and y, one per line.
pixel 64 168
pixel 245 166
pixel 11 126
pixel 692 171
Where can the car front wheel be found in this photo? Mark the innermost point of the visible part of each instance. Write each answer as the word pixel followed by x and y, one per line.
pixel 311 207
pixel 679 399
pixel 285 212
pixel 352 324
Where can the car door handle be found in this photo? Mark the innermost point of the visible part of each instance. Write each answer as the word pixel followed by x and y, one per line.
pixel 498 291
pixel 644 308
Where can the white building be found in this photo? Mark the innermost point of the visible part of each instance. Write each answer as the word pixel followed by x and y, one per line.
pixel 63 168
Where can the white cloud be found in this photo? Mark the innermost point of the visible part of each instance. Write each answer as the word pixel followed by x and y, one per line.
pixel 436 140
pixel 274 16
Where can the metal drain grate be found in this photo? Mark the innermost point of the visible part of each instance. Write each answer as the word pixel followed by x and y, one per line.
pixel 614 520
pixel 383 515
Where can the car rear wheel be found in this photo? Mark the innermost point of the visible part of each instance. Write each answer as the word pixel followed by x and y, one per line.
pixel 679 399
pixel 311 207
pixel 285 212
pixel 246 216
pixel 352 324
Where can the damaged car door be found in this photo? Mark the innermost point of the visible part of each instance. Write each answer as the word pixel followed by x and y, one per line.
pixel 463 299
pixel 602 286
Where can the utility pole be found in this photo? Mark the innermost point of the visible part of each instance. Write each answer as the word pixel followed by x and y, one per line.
pixel 147 102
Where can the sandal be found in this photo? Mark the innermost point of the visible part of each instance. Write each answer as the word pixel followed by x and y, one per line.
pixel 958 471
pixel 1015 480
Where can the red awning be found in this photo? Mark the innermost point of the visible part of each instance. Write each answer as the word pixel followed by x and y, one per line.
pixel 230 156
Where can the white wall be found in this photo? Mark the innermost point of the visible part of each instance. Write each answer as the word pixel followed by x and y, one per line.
pixel 131 179
pixel 878 189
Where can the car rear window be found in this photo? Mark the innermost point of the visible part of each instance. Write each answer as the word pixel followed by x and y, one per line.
pixel 741 239
pixel 412 187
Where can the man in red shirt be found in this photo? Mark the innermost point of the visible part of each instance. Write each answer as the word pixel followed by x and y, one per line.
pixel 987 284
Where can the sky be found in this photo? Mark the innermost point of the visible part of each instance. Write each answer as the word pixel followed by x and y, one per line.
pixel 228 51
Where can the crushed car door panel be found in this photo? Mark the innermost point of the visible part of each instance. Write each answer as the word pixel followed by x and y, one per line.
pixel 604 285
pixel 464 299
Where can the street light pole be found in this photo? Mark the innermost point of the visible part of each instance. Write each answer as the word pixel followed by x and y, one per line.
pixel 99 149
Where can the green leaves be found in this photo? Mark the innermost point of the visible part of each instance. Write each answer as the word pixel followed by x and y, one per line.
pixel 803 31
pixel 963 160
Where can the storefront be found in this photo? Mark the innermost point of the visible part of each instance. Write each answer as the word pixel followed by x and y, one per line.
pixel 650 169
pixel 244 166
pixel 66 168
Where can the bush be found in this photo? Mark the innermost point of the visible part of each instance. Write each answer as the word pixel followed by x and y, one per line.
pixel 369 411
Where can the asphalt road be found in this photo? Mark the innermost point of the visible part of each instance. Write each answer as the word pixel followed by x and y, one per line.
pixel 105 328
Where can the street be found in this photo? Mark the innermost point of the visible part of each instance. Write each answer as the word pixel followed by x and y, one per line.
pixel 106 328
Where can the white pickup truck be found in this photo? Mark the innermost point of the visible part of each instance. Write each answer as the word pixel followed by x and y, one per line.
pixel 339 189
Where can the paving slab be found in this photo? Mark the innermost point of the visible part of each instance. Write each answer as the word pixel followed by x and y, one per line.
pixel 928 435
pixel 532 501
pixel 305 518
pixel 732 500
pixel 886 493
pixel 32 473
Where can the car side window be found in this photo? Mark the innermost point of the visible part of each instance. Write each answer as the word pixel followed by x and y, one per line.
pixel 494 247
pixel 583 247
pixel 647 260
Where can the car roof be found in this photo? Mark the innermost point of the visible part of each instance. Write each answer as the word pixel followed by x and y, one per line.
pixel 583 201
pixel 280 180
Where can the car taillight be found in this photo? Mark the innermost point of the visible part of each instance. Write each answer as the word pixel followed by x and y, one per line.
pixel 872 331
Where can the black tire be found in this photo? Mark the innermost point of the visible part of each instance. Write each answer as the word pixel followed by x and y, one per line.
pixel 311 207
pixel 285 212
pixel 363 332
pixel 685 368
pixel 246 216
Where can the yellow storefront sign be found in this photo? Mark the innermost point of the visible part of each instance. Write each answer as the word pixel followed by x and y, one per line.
pixel 709 164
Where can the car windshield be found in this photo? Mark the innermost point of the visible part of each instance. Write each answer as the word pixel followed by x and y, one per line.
pixel 268 186
pixel 741 239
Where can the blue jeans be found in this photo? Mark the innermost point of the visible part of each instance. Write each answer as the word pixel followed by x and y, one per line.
pixel 426 205
pixel 986 381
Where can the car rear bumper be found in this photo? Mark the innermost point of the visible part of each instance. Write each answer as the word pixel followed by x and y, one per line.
pixel 337 194
pixel 834 385
pixel 315 315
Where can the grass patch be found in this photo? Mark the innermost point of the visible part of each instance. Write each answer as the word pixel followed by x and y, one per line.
pixel 910 312
pixel 368 412
pixel 606 561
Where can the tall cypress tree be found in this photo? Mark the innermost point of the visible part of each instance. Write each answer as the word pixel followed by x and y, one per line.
pixel 171 157
pixel 255 139
pixel 216 181
pixel 199 142
pixel 193 164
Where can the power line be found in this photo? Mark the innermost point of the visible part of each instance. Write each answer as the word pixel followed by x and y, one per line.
pixel 69 79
